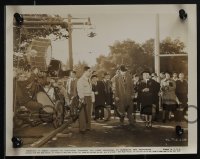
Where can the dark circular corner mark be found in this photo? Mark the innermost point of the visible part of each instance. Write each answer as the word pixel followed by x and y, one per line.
pixel 179 131
pixel 17 142
pixel 182 14
pixel 19 18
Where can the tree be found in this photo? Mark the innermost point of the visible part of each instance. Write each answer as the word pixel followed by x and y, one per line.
pixel 173 64
pixel 169 46
pixel 138 57
pixel 130 53
pixel 148 47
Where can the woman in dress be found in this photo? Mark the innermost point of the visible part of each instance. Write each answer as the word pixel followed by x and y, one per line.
pixel 145 94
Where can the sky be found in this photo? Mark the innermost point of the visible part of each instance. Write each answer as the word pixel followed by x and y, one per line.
pixel 115 26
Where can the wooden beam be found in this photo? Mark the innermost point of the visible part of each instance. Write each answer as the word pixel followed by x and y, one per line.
pixel 42 23
pixel 47 137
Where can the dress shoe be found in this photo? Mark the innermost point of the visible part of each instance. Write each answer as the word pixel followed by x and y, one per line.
pixel 146 124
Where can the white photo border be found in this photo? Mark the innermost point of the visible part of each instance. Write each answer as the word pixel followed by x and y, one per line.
pixel 151 9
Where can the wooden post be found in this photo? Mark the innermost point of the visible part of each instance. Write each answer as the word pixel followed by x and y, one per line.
pixel 70 42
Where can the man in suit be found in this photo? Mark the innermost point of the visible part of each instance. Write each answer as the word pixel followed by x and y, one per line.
pixel 84 90
pixel 100 97
pixel 136 83
pixel 108 89
pixel 124 93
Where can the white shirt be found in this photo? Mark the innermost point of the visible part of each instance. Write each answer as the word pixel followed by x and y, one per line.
pixel 84 87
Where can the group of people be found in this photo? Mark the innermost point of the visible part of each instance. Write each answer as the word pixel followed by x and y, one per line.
pixel 128 93
pixel 168 93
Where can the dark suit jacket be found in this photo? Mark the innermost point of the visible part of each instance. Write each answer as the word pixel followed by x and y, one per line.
pixel 108 92
pixel 100 98
pixel 156 89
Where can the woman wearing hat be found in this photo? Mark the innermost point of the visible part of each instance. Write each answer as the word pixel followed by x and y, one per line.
pixel 168 87
pixel 146 88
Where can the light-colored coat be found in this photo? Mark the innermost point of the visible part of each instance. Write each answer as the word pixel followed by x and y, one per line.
pixel 84 87
pixel 168 92
pixel 123 89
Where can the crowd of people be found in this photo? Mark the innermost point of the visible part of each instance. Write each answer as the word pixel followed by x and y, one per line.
pixel 128 93
pixel 133 93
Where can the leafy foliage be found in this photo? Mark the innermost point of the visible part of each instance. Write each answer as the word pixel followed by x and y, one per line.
pixel 25 34
pixel 169 46
pixel 138 57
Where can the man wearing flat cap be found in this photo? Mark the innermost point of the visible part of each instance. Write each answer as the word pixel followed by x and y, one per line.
pixel 124 93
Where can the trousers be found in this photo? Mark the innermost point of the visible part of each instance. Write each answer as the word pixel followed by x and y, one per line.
pixel 85 114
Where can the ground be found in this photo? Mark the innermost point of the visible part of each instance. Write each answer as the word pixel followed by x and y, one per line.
pixel 111 134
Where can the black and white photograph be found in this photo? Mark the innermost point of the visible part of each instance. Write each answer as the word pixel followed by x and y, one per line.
pixel 112 79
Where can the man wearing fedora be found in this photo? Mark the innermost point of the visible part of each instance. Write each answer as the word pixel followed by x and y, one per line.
pixel 124 94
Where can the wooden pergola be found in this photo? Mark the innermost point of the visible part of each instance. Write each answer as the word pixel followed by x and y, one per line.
pixel 35 22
